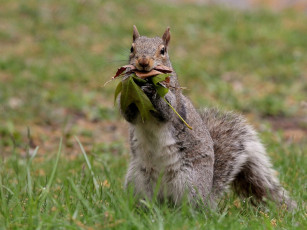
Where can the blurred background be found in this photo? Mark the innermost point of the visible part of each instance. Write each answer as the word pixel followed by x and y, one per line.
pixel 246 56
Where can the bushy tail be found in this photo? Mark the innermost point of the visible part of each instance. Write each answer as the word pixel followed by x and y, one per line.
pixel 241 160
pixel 257 178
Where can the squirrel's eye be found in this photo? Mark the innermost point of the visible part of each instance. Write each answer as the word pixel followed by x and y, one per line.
pixel 131 49
pixel 162 51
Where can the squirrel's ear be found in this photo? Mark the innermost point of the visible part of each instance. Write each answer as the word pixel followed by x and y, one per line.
pixel 166 36
pixel 135 33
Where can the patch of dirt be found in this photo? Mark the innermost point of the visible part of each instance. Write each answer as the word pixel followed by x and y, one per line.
pixel 92 134
pixel 5 77
pixel 103 135
pixel 294 128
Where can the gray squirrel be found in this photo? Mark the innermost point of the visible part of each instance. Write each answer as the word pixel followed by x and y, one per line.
pixel 221 151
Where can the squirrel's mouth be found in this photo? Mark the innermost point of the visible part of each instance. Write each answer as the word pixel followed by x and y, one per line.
pixel 129 69
pixel 159 69
pixel 144 69
pixel 144 64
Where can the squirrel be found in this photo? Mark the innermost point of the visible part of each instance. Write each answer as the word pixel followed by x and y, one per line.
pixel 220 152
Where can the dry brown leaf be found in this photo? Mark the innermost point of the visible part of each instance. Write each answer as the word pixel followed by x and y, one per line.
pixel 160 69
pixel 122 69
pixel 163 69
pixel 147 74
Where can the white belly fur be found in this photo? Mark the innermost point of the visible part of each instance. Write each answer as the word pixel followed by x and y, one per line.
pixel 155 146
pixel 156 151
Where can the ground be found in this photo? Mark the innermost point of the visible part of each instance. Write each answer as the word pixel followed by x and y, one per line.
pixel 55 58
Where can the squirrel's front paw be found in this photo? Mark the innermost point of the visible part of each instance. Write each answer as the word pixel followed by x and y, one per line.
pixel 149 90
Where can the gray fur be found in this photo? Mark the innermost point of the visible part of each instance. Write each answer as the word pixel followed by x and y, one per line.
pixel 221 151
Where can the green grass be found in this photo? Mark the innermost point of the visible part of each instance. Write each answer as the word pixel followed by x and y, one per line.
pixel 56 55
pixel 42 192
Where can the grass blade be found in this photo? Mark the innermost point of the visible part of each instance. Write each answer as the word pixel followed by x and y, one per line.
pixel 46 190
pixel 3 200
pixel 29 180
pixel 89 166
pixel 80 197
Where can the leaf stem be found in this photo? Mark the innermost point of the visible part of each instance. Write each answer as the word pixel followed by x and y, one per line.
pixel 177 114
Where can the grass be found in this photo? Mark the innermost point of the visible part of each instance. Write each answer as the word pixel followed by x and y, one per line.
pixel 56 55
pixel 86 192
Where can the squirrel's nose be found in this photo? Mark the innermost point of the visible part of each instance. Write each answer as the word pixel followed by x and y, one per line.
pixel 143 62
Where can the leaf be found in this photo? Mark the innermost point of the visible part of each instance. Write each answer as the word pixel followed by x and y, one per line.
pixel 139 80
pixel 118 90
pixel 143 75
pixel 163 69
pixel 159 78
pixel 177 114
pixel 122 69
pixel 159 69
pixel 132 93
pixel 161 90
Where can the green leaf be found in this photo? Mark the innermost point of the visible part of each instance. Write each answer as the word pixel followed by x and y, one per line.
pixel 161 90
pixel 132 93
pixel 137 79
pixel 118 91
pixel 158 78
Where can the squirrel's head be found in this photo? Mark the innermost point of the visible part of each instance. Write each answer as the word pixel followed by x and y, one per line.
pixel 146 53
